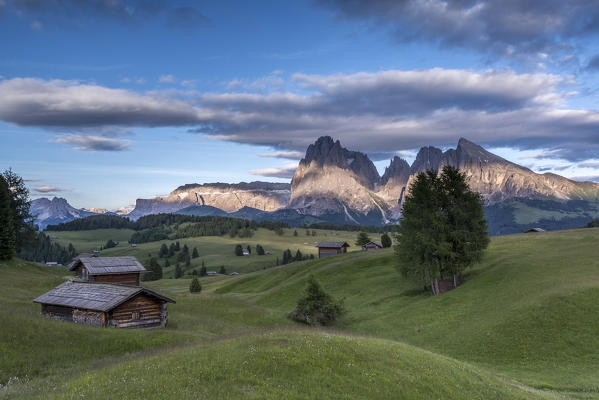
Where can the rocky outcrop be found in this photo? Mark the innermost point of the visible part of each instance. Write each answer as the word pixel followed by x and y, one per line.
pixel 263 196
pixel 330 178
pixel 51 212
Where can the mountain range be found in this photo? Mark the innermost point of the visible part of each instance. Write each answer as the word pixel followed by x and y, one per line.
pixel 335 185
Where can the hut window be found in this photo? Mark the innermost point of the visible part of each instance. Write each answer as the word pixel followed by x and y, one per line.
pixel 135 315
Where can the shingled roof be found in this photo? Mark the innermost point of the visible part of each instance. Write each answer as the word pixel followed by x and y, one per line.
pixel 336 245
pixel 94 296
pixel 109 265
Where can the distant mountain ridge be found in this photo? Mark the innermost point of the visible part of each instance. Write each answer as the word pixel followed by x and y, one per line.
pixel 335 185
pixel 58 210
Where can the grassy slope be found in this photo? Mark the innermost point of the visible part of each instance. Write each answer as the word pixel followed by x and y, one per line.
pixel 86 241
pixel 293 365
pixel 530 310
pixel 214 250
pixel 525 214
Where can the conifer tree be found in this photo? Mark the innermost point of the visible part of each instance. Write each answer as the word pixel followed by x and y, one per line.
pixel 386 240
pixel 163 250
pixel 222 270
pixel 317 307
pixel 7 229
pixel 238 250
pixel 362 239
pixel 178 271
pixel 195 286
pixel 194 253
pixel 249 249
pixel 203 271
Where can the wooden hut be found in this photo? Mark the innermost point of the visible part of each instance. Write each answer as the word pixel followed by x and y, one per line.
pixel 326 249
pixel 534 230
pixel 101 304
pixel 125 270
pixel 372 246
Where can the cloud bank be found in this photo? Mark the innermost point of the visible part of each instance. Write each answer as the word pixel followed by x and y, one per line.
pixel 382 112
pixel 285 172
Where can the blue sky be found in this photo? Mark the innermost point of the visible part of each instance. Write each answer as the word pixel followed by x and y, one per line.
pixel 106 101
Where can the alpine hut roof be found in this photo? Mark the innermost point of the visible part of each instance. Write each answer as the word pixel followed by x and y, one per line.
pixel 335 245
pixel 109 265
pixel 375 243
pixel 94 296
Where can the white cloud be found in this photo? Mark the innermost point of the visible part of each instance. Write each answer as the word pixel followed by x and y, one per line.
pixel 47 189
pixel 285 171
pixel 166 79
pixel 292 155
pixel 93 143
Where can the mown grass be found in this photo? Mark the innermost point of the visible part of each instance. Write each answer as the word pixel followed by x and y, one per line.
pixel 292 365
pixel 86 241
pixel 215 251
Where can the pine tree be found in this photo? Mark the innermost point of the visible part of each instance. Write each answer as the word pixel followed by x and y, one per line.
pixel 194 272
pixel 187 260
pixel 177 247
pixel 167 263
pixel 185 249
pixel 317 307
pixel 259 250
pixel 171 250
pixel 295 233
pixel 203 271
pixel 362 239
pixel 386 240
pixel 238 250
pixel 298 255
pixel 7 229
pixel 22 221
pixel 195 286
pixel 222 270
pixel 163 250
pixel 194 253
pixel 155 270
pixel 249 249
pixel 178 271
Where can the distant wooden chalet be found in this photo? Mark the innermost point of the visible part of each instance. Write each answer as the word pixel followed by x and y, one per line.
pixel 326 249
pixel 372 246
pixel 125 270
pixel 100 304
pixel 533 230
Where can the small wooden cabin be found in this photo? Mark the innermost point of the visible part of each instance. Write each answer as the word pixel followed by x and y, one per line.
pixel 326 249
pixel 372 246
pixel 534 230
pixel 125 270
pixel 105 305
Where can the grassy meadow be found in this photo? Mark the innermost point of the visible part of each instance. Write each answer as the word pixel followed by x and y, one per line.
pixel 525 325
pixel 215 251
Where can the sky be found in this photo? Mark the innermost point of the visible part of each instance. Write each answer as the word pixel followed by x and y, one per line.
pixel 106 101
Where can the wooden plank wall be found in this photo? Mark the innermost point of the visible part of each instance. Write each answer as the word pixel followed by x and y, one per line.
pixel 125 279
pixel 140 311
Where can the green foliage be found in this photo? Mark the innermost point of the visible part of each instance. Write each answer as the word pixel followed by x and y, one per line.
pixel 203 271
pixel 295 233
pixel 178 271
pixel 317 307
pixel 442 230
pixel 593 224
pixel 362 239
pixel 110 244
pixel 45 250
pixel 163 251
pixel 352 228
pixel 94 222
pixel 298 255
pixel 194 272
pixel 249 249
pixel 187 260
pixel 22 220
pixel 195 286
pixel 259 250
pixel 386 240
pixel 167 263
pixel 287 257
pixel 222 270
pixel 7 228
pixel 194 253
pixel 238 250
pixel 154 270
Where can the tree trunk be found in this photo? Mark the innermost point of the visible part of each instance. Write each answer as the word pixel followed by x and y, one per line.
pixel 455 281
pixel 433 288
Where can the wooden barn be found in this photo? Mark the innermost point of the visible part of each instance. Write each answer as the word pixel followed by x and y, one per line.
pixel 326 249
pixel 372 246
pixel 106 305
pixel 534 230
pixel 125 270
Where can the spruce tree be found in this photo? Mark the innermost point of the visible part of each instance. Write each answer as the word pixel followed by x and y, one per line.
pixel 238 250
pixel 203 271
pixel 195 286
pixel 362 239
pixel 178 271
pixel 298 255
pixel 386 240
pixel 7 229
pixel 22 221
pixel 163 250
pixel 317 307
pixel 222 270
pixel 187 260
pixel 259 250
pixel 194 253
pixel 249 249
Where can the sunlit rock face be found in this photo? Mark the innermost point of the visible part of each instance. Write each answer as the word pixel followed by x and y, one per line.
pixel 263 196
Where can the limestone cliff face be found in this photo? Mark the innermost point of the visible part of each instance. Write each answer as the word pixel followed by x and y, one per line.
pixel 264 196
pixel 331 178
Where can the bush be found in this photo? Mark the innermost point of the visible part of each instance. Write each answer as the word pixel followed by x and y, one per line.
pixel 259 250
pixel 110 244
pixel 222 270
pixel 238 250
pixel 318 307
pixel 155 270
pixel 195 286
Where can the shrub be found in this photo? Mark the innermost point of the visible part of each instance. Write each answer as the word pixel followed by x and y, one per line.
pixel 259 250
pixel 195 286
pixel 386 240
pixel 222 270
pixel 317 307
pixel 238 250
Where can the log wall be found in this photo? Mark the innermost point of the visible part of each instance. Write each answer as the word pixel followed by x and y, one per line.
pixel 125 279
pixel 141 311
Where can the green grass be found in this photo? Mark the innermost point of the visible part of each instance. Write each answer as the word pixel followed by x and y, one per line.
pixel 529 310
pixel 86 241
pixel 292 365
pixel 214 250
pixel 528 313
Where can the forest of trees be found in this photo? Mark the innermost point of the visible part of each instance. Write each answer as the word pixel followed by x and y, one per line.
pixel 353 228
pixel 442 231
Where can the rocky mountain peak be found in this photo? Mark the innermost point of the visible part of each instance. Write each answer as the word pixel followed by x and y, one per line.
pixel 398 170
pixel 428 157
